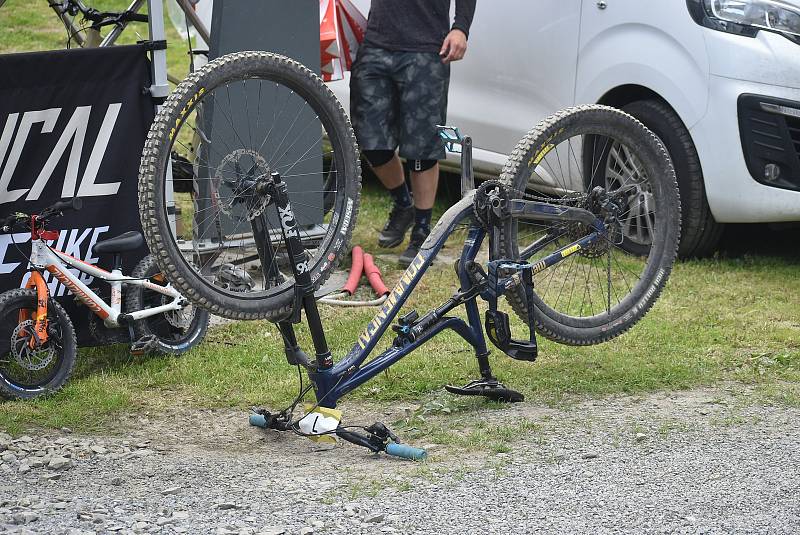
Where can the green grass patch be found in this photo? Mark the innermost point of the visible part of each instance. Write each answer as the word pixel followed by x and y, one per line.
pixel 722 319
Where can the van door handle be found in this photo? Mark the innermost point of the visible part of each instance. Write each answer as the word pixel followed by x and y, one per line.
pixel 601 5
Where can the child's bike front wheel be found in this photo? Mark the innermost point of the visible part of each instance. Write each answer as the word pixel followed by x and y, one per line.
pixel 30 368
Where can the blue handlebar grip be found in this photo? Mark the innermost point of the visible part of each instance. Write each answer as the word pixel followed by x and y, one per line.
pixel 258 420
pixel 406 452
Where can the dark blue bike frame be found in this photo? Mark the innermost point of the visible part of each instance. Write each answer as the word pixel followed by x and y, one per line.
pixel 333 382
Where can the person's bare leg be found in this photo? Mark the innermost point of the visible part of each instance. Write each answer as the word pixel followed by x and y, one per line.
pixel 424 185
pixel 391 173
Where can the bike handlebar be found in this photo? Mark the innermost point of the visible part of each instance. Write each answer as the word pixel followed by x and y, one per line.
pixel 76 203
pixel 406 452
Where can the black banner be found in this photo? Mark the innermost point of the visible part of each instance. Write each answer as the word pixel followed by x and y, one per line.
pixel 72 124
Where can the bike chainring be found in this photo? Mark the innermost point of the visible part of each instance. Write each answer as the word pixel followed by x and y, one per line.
pixel 31 359
pixel 248 166
pixel 178 319
pixel 491 196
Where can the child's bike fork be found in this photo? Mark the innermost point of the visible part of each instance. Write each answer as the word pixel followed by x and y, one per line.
pixel 39 334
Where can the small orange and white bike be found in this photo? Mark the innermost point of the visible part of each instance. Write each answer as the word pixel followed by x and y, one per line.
pixel 37 339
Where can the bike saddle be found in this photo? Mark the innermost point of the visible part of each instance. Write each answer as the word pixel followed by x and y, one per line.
pixel 127 241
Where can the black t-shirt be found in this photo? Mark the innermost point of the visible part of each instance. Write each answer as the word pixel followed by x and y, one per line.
pixel 415 25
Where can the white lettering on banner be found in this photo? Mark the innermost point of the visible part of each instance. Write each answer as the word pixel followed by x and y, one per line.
pixel 48 117
pixel 6 241
pixel 74 133
pixel 76 245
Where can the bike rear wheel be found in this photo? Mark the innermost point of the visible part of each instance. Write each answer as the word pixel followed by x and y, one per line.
pixel 241 118
pixel 602 291
pixel 26 372
pixel 176 331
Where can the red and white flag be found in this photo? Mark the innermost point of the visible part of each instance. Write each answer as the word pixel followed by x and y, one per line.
pixel 341 30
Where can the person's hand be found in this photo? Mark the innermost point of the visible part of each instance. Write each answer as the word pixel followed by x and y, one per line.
pixel 454 46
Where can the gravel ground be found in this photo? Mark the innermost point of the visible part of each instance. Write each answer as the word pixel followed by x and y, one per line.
pixel 693 462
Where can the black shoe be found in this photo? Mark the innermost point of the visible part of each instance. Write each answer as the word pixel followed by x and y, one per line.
pixel 400 220
pixel 418 237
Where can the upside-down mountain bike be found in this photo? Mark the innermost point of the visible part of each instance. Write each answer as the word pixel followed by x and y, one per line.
pixel 582 229
pixel 38 340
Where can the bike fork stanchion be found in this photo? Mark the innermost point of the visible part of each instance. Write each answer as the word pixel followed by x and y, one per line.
pixel 304 287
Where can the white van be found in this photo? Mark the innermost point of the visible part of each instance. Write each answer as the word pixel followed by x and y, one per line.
pixel 717 80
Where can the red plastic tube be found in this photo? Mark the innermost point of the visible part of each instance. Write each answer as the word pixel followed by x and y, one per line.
pixel 374 276
pixel 356 268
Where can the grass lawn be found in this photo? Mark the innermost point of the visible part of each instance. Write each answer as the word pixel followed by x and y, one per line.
pixel 732 318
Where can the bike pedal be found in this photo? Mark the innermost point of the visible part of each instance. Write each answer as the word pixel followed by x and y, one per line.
pixel 144 345
pixel 492 390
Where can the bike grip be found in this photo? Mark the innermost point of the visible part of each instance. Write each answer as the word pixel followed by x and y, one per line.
pixel 406 452
pixel 258 420
pixel 374 276
pixel 76 203
pixel 357 267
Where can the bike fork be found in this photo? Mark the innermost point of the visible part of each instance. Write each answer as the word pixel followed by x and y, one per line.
pixel 40 321
pixel 304 286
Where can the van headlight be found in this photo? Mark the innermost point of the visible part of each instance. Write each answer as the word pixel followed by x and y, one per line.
pixel 748 17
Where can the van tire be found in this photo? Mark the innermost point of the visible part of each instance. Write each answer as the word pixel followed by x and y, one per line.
pixel 700 233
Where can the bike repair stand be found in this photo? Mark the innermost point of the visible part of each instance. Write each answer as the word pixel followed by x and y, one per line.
pixel 378 437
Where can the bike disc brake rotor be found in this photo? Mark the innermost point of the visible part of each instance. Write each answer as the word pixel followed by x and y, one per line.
pixel 31 359
pixel 235 179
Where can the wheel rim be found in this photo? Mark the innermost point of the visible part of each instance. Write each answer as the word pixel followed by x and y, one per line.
pixel 216 235
pixel 22 366
pixel 594 284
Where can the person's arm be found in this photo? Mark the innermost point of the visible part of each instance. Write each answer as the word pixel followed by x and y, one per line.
pixel 455 44
pixel 465 11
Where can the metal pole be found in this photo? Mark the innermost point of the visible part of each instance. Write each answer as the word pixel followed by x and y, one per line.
pixel 160 87
pixel 188 10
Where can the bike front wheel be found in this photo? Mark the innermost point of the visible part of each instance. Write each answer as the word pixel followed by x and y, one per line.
pixel 605 161
pixel 29 369
pixel 242 118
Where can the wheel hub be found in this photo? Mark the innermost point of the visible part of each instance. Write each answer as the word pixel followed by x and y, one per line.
pixel 237 175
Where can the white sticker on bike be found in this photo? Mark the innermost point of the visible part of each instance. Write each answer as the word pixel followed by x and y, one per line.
pixel 320 424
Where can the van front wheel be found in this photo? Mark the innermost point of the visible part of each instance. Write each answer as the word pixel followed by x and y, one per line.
pixel 700 233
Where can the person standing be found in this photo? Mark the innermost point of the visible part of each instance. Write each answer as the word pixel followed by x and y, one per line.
pixel 398 95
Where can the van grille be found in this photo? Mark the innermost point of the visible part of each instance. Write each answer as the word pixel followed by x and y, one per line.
pixel 771 140
pixel 793 124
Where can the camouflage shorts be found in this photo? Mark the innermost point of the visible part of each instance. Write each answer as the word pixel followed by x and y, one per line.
pixel 397 99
